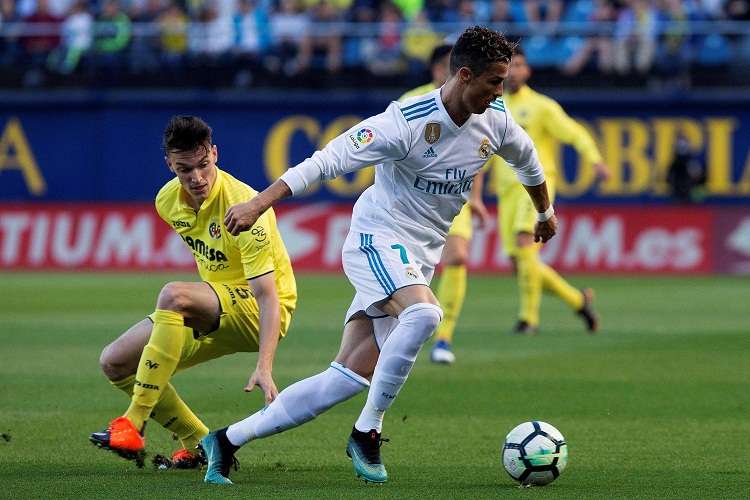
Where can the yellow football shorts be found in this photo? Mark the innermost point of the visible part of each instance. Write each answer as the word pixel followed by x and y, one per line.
pixel 238 330
pixel 517 214
pixel 461 225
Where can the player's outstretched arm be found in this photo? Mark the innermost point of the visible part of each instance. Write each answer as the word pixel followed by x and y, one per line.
pixel 546 225
pixel 264 290
pixel 242 216
pixel 565 129
pixel 379 138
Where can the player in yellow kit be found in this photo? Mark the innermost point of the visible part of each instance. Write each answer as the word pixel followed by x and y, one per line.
pixel 547 124
pixel 244 302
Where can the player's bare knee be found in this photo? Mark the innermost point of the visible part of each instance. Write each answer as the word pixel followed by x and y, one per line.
pixel 174 297
pixel 112 368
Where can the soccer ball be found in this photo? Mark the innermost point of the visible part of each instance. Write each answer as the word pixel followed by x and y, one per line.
pixel 535 453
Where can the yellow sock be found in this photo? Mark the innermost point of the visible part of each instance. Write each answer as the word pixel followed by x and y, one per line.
pixel 556 284
pixel 451 293
pixel 172 413
pixel 156 366
pixel 529 284
pixel 125 385
pixel 175 416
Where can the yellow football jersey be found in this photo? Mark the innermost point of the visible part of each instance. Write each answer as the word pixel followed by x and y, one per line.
pixel 547 124
pixel 219 255
pixel 422 89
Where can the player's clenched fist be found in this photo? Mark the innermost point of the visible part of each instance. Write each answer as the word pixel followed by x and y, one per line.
pixel 242 216
pixel 543 231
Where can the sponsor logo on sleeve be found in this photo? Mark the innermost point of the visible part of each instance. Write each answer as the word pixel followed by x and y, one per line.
pixel 361 138
pixel 365 136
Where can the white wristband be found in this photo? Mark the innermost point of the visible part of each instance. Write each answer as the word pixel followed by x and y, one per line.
pixel 546 215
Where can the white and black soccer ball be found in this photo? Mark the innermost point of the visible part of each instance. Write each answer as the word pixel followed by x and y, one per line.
pixel 535 453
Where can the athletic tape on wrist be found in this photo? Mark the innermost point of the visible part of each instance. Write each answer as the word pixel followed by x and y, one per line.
pixel 546 215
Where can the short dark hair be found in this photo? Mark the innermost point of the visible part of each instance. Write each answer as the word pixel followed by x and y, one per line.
pixel 439 52
pixel 186 133
pixel 478 47
pixel 518 50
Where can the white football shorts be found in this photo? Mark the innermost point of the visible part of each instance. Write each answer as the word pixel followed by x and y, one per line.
pixel 377 264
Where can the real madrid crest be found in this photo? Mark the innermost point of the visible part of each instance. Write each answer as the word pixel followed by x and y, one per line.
pixel 432 132
pixel 485 150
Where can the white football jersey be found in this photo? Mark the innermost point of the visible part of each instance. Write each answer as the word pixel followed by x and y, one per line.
pixel 424 166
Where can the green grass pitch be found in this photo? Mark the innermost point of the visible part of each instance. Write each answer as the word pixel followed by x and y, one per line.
pixel 657 406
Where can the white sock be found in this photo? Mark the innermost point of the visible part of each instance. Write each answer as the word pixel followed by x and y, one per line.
pixel 299 403
pixel 416 324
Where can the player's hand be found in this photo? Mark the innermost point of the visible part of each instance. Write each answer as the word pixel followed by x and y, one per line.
pixel 242 216
pixel 543 231
pixel 602 171
pixel 264 380
pixel 479 209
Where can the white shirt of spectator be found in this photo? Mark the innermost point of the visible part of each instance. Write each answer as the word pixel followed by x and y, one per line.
pixel 77 31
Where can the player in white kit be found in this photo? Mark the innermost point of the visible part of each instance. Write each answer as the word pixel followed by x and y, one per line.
pixel 427 151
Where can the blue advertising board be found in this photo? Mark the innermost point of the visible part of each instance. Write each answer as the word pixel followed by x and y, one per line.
pixel 84 147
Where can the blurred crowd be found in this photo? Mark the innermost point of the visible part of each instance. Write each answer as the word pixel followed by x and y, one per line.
pixel 256 42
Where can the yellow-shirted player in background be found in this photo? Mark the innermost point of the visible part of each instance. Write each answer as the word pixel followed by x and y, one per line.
pixel 452 288
pixel 244 303
pixel 547 124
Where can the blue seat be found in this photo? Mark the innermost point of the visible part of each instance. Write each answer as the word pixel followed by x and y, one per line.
pixel 714 50
pixel 569 46
pixel 540 51
pixel 578 12
pixel 351 52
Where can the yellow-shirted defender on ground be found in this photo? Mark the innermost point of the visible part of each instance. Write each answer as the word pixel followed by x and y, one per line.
pixel 243 304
